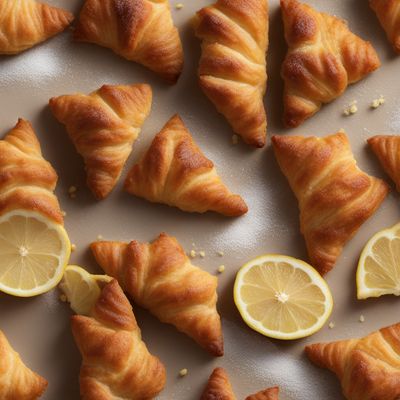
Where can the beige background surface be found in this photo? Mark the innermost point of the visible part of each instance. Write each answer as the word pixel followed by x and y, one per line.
pixel 39 328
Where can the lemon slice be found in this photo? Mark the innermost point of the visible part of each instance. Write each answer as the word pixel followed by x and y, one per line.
pixel 82 288
pixel 34 251
pixel 378 271
pixel 282 297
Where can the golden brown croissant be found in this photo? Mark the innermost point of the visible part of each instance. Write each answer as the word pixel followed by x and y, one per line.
pixel 17 381
pixel 160 277
pixel 233 71
pixel 27 180
pixel 219 388
pixel 26 23
pixel 116 362
pixel 368 368
pixel 103 127
pixel 335 197
pixel 138 30
pixel 174 171
pixel 388 12
pixel 324 57
pixel 387 149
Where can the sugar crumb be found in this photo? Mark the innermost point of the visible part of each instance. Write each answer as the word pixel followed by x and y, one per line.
pixel 378 102
pixel 193 254
pixel 351 108
pixel 183 372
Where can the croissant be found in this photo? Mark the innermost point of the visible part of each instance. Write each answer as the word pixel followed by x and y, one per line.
pixel 27 180
pixel 103 127
pixel 388 13
pixel 174 171
pixel 368 368
pixel 335 197
pixel 138 30
pixel 26 23
pixel 219 388
pixel 324 57
pixel 233 71
pixel 160 277
pixel 116 362
pixel 17 381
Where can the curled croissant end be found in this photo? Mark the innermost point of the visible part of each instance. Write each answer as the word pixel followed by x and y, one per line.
pixel 26 23
pixel 27 180
pixel 323 58
pixel 174 171
pixel 142 31
pixel 17 381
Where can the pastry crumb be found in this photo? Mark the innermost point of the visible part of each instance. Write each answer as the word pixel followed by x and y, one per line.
pixel 235 139
pixel 183 372
pixel 351 108
pixel 72 189
pixel 63 298
pixel 221 269
pixel 202 254
pixel 192 254
pixel 362 318
pixel 73 247
pixel 179 6
pixel 99 237
pixel 331 325
pixel 378 102
pixel 64 213
pixel 193 244
pixel 220 253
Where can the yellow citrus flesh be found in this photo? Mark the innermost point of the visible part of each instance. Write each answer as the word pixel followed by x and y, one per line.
pixel 34 251
pixel 282 297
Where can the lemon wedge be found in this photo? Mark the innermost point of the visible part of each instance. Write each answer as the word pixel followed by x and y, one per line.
pixel 378 271
pixel 82 288
pixel 34 251
pixel 282 297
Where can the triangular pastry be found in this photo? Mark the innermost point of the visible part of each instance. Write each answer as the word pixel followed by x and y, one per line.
pixel 26 23
pixel 17 381
pixel 116 362
pixel 388 13
pixel 160 277
pixel 335 197
pixel 27 180
pixel 367 368
pixel 387 149
pixel 138 30
pixel 233 71
pixel 219 388
pixel 175 172
pixel 323 58
pixel 103 127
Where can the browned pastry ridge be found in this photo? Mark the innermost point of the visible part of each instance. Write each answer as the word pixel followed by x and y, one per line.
pixel 388 13
pixel 27 180
pixel 175 172
pixel 233 71
pixel 335 197
pixel 367 368
pixel 160 277
pixel 17 381
pixel 26 23
pixel 323 58
pixel 219 388
pixel 116 362
pixel 138 30
pixel 103 127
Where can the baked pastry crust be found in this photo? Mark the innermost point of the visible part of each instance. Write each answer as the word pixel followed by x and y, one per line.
pixel 26 23
pixel 335 197
pixel 103 127
pixel 138 30
pixel 323 58
pixel 175 172
pixel 116 362
pixel 17 381
pixel 388 13
pixel 367 368
pixel 233 70
pixel 160 277
pixel 27 180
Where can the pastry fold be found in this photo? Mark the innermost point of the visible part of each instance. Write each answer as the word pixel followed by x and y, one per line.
pixel 160 278
pixel 335 197
pixel 27 180
pixel 175 172
pixel 233 71
pixel 138 30
pixel 388 13
pixel 116 362
pixel 367 368
pixel 17 381
pixel 103 127
pixel 323 58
